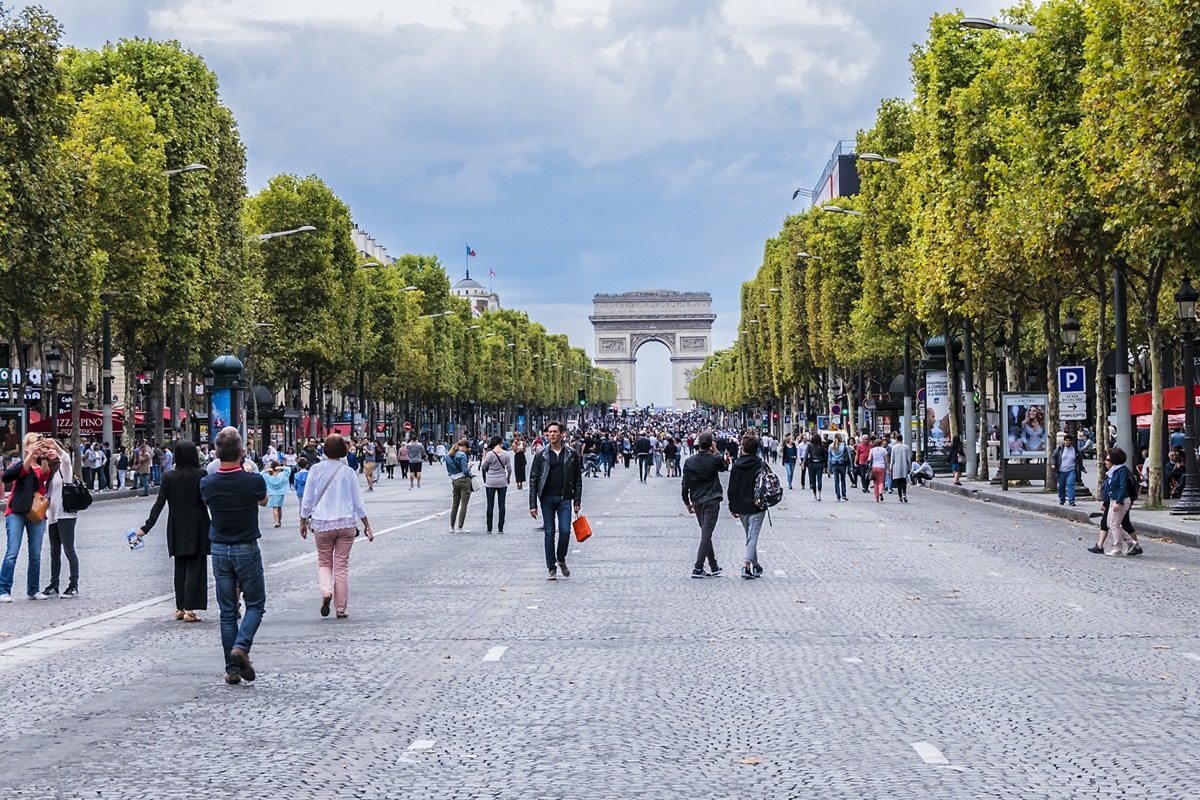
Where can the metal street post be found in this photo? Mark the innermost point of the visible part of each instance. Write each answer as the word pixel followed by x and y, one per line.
pixel 1185 299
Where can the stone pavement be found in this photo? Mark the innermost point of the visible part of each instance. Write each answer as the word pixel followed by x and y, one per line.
pixel 1158 522
pixel 939 649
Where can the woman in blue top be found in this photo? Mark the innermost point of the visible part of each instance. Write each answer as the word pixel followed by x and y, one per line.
pixel 460 478
pixel 1118 489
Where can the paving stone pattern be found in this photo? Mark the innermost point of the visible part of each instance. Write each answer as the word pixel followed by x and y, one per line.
pixel 1035 668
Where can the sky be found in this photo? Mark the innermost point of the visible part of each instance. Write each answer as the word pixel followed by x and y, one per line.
pixel 578 146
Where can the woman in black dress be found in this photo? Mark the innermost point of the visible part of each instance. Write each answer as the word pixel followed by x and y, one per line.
pixel 518 448
pixel 187 531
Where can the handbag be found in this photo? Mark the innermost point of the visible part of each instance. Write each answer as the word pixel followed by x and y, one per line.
pixel 37 511
pixel 583 529
pixel 475 484
pixel 75 497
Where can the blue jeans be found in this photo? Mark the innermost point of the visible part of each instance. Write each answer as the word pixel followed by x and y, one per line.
pixel 790 467
pixel 156 475
pixel 142 480
pixel 752 524
pixel 815 473
pixel 556 509
pixel 839 480
pixel 607 461
pixel 14 526
pixel 239 566
pixel 1066 487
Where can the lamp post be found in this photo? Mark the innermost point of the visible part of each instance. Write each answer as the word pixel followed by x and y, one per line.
pixel 1070 334
pixel 53 359
pixel 148 372
pixel 1185 299
pixel 328 408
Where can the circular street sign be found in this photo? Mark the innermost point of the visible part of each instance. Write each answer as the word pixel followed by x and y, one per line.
pixel 408 426
pixel 836 410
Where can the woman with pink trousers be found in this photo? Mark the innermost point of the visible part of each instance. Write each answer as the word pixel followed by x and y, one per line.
pixel 332 504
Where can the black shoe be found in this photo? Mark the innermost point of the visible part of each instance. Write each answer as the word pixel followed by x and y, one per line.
pixel 1136 551
pixel 1099 550
pixel 562 567
pixel 758 570
pixel 698 572
pixel 325 601
pixel 715 572
pixel 50 590
pixel 747 574
pixel 71 591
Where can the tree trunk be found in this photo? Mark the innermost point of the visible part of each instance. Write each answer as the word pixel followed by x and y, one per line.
pixel 17 396
pixel 1101 389
pixel 76 400
pixel 1050 330
pixel 1157 457
pixel 157 405
pixel 954 380
pixel 981 377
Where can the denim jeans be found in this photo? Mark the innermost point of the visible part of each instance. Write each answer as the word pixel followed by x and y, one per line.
pixel 752 524
pixel 156 475
pixel 142 479
pixel 790 467
pixel 556 509
pixel 1066 486
pixel 15 525
pixel 493 495
pixel 239 566
pixel 815 473
pixel 839 480
pixel 707 514
pixel 644 461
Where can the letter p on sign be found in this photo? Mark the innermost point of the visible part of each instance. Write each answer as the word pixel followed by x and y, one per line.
pixel 1072 379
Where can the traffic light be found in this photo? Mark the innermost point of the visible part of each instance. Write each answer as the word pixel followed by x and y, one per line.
pixel 583 397
pixel 975 398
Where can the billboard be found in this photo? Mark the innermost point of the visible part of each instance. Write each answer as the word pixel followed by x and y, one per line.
pixel 1023 427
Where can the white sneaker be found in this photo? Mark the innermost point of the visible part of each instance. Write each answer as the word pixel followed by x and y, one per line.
pixel 37 596
pixel 5 598
pixel 463 530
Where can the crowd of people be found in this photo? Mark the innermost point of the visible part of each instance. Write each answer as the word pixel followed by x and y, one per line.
pixel 212 495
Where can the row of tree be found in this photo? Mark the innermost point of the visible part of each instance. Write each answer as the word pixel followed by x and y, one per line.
pixel 96 215
pixel 1030 169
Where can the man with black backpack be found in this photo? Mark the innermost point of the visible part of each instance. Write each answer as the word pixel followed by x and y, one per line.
pixel 749 498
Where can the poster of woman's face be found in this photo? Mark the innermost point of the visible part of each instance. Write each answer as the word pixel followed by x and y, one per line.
pixel 1024 426
pixel 12 430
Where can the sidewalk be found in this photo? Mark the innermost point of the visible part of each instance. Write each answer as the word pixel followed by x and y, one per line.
pixel 1155 522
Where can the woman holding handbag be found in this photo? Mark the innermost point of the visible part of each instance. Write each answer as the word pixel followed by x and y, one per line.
pixel 496 467
pixel 187 530
pixel 61 523
pixel 457 467
pixel 26 513
pixel 332 502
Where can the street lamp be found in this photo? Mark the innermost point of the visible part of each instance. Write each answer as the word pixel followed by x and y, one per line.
pixel 840 210
pixel 1070 335
pixel 877 157
pixel 409 289
pixel 1185 299
pixel 188 168
pixel 806 256
pixel 440 314
pixel 54 357
pixel 984 24
pixel 262 237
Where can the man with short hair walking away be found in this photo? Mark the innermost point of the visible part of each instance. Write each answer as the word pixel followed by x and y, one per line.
pixel 556 481
pixel 702 494
pixel 233 497
pixel 641 449
pixel 415 455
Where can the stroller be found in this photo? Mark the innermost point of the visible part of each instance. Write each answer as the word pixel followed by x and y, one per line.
pixel 591 466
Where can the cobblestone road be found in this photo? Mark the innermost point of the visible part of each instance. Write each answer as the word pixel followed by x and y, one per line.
pixel 940 649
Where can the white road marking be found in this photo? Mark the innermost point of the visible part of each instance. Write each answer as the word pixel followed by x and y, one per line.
pixel 1192 656
pixel 64 642
pixel 1075 607
pixel 781 573
pixel 530 608
pixel 930 754
pixel 421 744
pixel 853 661
pixel 995 574
pixel 495 654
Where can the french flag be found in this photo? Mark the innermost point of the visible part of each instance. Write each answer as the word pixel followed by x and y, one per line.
pixel 470 252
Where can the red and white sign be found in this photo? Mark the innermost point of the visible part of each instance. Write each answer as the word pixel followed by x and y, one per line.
pixel 91 423
pixel 407 426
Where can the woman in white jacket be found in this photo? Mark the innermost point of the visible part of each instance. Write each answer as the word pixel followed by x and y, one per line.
pixel 62 526
pixel 332 504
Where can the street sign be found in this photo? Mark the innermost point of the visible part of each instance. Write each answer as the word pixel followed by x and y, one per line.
pixel 407 427
pixel 836 410
pixel 787 420
pixel 1072 380
pixel 921 395
pixel 1075 413
pixel 1072 397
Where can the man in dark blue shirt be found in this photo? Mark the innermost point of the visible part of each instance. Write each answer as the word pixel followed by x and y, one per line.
pixel 233 497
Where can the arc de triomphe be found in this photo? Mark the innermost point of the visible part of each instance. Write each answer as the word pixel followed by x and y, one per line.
pixel 680 320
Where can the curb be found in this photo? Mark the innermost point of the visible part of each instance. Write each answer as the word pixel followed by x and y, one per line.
pixel 121 494
pixel 1186 538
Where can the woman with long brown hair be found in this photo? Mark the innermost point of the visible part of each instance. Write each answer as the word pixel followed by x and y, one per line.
pixel 459 470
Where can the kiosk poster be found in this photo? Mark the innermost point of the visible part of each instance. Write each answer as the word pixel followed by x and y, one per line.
pixel 1023 427
pixel 12 432
pixel 937 411
pixel 219 414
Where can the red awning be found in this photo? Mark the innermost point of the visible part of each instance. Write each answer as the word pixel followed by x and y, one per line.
pixel 1140 404
pixel 91 423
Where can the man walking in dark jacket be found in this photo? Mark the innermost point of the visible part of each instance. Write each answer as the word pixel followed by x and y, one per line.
pixel 556 480
pixel 642 449
pixel 702 495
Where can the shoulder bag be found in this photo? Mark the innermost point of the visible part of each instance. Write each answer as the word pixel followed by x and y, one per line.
pixel 41 502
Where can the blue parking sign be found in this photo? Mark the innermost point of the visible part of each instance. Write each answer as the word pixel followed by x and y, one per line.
pixel 1072 379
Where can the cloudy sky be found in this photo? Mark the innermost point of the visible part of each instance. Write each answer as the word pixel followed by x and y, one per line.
pixel 579 146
